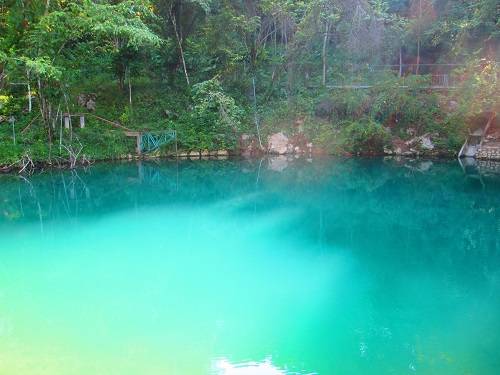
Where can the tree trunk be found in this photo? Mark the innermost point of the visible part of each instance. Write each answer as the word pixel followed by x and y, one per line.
pixel 400 62
pixel 325 43
pixel 419 35
pixel 179 42
pixel 417 68
pixel 129 87
pixel 255 113
pixel 47 6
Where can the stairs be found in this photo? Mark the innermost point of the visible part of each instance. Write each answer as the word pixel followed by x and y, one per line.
pixel 471 146
pixel 483 143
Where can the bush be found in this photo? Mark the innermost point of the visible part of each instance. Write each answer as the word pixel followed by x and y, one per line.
pixel 214 121
pixel 365 136
pixel 402 108
pixel 351 104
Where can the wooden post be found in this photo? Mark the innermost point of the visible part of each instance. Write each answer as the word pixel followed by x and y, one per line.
pixel 139 137
pixel 82 122
pixel 66 121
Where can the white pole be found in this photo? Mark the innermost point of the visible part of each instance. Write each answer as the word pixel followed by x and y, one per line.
pixel 13 121
pixel 255 112
pixel 30 106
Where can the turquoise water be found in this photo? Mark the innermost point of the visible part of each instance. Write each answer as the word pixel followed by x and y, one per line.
pixel 251 268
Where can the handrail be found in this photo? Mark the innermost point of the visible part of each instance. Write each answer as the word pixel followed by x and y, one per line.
pixel 488 125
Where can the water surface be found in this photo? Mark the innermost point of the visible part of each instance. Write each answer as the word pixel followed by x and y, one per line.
pixel 269 267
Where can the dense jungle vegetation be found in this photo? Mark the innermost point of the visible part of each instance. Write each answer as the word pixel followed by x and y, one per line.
pixel 348 76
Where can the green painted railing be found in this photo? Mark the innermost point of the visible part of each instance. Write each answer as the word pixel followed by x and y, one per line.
pixel 153 140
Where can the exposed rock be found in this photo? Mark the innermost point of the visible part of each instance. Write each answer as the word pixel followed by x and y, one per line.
pixel 411 132
pixel 194 154
pixel 204 153
pixel 2 119
pixel 249 145
pixel 87 101
pixel 299 144
pixel 423 142
pixel 222 153
pixel 399 146
pixel 90 105
pixel 426 142
pixel 278 163
pixel 278 144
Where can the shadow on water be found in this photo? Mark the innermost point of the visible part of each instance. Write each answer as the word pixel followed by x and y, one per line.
pixel 374 194
pixel 358 204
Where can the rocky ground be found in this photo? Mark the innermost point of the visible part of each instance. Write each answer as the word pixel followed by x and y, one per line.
pixel 281 144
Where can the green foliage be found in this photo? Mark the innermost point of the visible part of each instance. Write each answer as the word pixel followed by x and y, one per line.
pixel 479 91
pixel 42 67
pixel 351 104
pixel 401 108
pixel 108 47
pixel 214 121
pixel 452 133
pixel 365 137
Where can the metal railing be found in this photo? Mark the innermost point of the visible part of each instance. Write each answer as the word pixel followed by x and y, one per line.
pixel 153 140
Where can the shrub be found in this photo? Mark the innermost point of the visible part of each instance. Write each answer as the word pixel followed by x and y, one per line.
pixel 214 120
pixel 402 108
pixel 366 136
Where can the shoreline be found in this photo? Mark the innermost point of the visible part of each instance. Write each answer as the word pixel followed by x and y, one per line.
pixel 39 166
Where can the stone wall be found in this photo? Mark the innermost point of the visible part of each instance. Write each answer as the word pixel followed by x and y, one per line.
pixel 489 153
pixel 489 166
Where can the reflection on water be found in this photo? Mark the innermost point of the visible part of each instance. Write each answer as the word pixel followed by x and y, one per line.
pixel 224 367
pixel 282 266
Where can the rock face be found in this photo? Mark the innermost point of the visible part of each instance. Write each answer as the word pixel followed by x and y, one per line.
pixel 490 148
pixel 410 147
pixel 299 144
pixel 87 101
pixel 249 145
pixel 426 142
pixel 278 144
pixel 399 147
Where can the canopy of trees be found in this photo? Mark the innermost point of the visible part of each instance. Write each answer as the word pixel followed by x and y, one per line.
pixel 213 68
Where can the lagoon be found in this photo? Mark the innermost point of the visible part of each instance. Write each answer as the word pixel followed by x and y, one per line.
pixel 261 267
